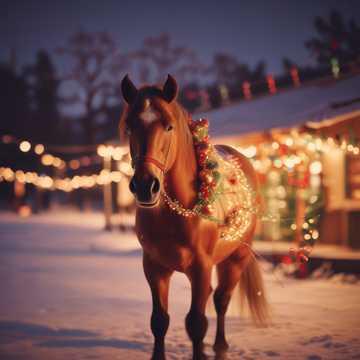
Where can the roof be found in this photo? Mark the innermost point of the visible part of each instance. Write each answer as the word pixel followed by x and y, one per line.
pixel 314 102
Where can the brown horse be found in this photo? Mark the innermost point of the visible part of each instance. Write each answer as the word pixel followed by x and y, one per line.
pixel 172 238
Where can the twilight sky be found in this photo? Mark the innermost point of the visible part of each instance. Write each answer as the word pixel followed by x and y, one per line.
pixel 251 29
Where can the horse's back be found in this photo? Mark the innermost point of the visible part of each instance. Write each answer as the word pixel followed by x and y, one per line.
pixel 228 153
pixel 239 189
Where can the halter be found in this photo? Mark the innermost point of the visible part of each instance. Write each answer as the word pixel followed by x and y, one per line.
pixel 149 159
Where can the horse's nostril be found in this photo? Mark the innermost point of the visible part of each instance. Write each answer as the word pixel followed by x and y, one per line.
pixel 132 186
pixel 155 186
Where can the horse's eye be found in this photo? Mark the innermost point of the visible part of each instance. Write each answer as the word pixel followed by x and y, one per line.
pixel 169 128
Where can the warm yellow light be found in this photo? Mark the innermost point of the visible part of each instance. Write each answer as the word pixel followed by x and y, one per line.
pixel 125 167
pixel 289 142
pixel 293 226
pixel 45 182
pixel 315 167
pixel 57 162
pixel 331 141
pixel 275 145
pixel 249 152
pixel 311 146
pixel 39 149
pixel 315 234
pixel 118 153
pixel 116 176
pixel 20 176
pixel 8 174
pixel 101 150
pixel 104 177
pixel 47 159
pixel 25 146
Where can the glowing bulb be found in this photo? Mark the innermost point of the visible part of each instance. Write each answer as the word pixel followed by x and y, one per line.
pixel 101 150
pixel 25 146
pixel 289 142
pixel 315 234
pixel 275 145
pixel 250 151
pixel 315 167
pixel 47 159
pixel 39 149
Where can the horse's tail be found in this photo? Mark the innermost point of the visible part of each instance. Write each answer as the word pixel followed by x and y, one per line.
pixel 252 292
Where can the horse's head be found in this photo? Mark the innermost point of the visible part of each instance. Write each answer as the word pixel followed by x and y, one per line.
pixel 150 120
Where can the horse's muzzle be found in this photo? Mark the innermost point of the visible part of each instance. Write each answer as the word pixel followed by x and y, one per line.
pixel 146 190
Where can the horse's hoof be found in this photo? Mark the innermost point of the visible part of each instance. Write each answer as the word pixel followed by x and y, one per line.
pixel 158 357
pixel 201 356
pixel 220 347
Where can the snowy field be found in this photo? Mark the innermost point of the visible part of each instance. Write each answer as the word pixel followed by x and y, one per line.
pixel 70 291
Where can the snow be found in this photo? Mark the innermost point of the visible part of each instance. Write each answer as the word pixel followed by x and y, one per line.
pixel 71 291
pixel 286 109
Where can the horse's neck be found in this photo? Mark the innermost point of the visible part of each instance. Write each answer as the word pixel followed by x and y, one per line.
pixel 181 179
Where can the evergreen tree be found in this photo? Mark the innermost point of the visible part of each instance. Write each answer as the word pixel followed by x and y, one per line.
pixel 335 39
pixel 43 87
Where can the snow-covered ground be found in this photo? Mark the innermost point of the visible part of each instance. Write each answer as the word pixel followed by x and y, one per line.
pixel 68 290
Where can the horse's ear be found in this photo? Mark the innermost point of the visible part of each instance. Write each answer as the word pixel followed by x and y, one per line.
pixel 170 89
pixel 128 89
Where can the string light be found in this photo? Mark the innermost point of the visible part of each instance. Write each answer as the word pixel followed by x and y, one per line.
pixel 39 149
pixel 25 146
pixel 48 159
pixel 66 184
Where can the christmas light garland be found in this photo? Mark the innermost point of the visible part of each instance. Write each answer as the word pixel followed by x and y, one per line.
pixel 218 198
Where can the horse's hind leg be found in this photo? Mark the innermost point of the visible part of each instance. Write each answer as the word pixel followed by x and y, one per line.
pixel 158 278
pixel 229 273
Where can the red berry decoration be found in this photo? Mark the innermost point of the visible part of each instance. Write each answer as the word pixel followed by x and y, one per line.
pixel 207 209
pixel 204 122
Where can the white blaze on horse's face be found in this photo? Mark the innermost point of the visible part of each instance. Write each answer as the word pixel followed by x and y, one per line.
pixel 149 115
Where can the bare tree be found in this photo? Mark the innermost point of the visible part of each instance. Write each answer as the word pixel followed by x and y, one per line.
pixel 227 69
pixel 159 57
pixel 96 69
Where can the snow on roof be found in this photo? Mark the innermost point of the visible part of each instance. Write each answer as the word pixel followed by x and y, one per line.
pixel 286 109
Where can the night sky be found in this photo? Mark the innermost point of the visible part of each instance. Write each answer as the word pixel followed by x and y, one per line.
pixel 252 30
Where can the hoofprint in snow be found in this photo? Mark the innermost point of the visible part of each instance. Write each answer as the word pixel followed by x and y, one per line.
pixel 71 291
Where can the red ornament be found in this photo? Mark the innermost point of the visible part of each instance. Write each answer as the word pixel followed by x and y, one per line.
pixel 204 122
pixel 202 159
pixel 205 194
pixel 283 149
pixel 207 209
pixel 202 147
pixel 203 173
pixel 232 181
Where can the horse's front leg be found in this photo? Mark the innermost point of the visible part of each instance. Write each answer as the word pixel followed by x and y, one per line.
pixel 158 278
pixel 196 322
